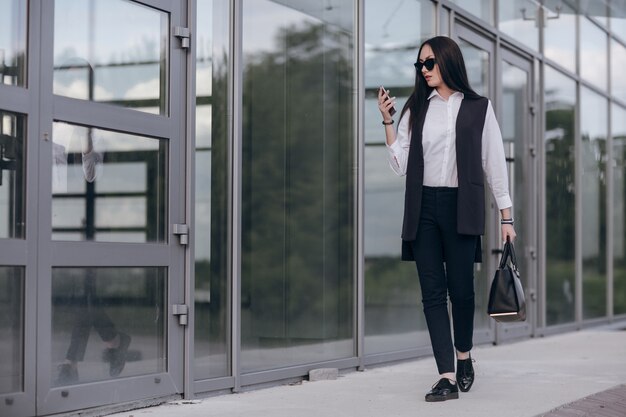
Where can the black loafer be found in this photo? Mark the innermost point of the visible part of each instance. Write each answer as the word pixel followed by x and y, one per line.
pixel 442 391
pixel 465 373
pixel 117 356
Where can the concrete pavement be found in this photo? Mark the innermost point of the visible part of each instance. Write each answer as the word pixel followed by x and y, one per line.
pixel 521 379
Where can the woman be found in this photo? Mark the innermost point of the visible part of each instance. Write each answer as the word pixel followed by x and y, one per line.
pixel 447 143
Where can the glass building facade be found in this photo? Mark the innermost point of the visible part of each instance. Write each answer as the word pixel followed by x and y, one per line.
pixel 205 183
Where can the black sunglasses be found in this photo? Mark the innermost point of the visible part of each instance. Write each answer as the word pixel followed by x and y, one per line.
pixel 429 64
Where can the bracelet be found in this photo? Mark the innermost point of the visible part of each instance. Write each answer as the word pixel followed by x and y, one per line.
pixel 388 123
pixel 507 221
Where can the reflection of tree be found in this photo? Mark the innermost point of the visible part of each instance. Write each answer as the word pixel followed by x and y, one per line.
pixel 560 211
pixel 619 257
pixel 560 184
pixel 593 191
pixel 297 223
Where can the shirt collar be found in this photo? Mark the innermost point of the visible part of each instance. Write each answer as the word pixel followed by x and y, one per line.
pixel 455 94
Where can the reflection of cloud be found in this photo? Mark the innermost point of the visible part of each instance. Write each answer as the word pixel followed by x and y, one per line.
pixel 560 56
pixel 146 89
pixel 513 77
pixel 204 81
pixel 618 63
pixel 79 89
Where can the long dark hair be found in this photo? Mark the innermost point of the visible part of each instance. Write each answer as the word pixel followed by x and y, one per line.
pixel 452 68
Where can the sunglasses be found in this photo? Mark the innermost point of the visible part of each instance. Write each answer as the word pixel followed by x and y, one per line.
pixel 429 64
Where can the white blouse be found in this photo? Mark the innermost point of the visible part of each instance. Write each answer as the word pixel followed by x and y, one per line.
pixel 439 144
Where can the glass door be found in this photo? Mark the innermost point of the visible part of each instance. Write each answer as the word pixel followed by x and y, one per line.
pixel 17 219
pixel 516 124
pixel 478 52
pixel 111 223
pixel 514 108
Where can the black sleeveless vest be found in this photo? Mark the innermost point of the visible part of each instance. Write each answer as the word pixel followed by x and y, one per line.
pixel 471 194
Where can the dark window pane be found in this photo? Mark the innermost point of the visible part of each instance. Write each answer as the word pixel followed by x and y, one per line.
pixel 298 187
pixel 618 130
pixel 12 329
pixel 594 125
pixel 560 102
pixel 12 175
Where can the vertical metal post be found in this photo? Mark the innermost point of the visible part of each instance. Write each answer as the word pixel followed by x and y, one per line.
pixel 610 197
pixel 189 209
pixel 360 179
pixel 235 99
pixel 578 285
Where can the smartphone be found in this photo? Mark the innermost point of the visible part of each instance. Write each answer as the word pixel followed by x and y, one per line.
pixel 392 110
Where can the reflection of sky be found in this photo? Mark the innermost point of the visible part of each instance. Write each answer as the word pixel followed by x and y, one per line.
pixel 618 69
pixel 384 205
pixel 560 39
pixel 120 32
pixel 12 29
pixel 593 114
pixel 560 90
pixel 512 21
pixel 618 121
pixel 262 20
pixel 394 30
pixel 593 54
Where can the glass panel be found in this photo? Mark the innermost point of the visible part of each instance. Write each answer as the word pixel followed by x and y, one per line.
pixel 594 125
pixel 13 25
pixel 560 36
pixel 515 134
pixel 477 64
pixel 125 308
pixel 111 51
pixel 298 183
pixel 480 8
pixel 618 19
pixel 12 328
pixel 593 54
pixel 211 229
pixel 560 102
pixel 618 129
pixel 392 39
pixel 445 22
pixel 108 186
pixel 393 309
pixel 618 63
pixel 12 175
pixel 518 18
pixel 393 313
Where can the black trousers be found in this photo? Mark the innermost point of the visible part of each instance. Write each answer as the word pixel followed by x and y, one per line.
pixel 438 243
pixel 88 313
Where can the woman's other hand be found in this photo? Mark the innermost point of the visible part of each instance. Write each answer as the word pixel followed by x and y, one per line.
pixel 508 231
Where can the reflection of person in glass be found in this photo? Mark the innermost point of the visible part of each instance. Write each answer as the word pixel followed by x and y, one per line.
pixel 88 311
pixel 447 143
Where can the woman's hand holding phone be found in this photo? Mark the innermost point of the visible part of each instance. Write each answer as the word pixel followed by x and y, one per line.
pixel 386 104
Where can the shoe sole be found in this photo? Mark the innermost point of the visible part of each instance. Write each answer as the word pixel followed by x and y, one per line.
pixel 451 396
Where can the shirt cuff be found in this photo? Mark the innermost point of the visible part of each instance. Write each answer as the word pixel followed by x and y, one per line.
pixel 504 202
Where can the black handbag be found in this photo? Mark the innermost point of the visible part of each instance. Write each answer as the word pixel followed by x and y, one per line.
pixel 506 298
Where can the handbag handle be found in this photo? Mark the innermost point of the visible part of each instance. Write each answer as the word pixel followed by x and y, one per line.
pixel 508 251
